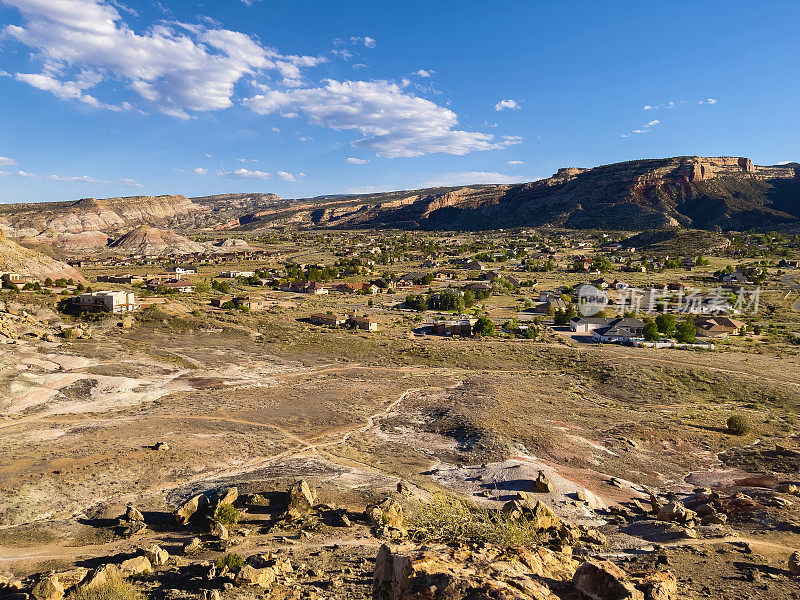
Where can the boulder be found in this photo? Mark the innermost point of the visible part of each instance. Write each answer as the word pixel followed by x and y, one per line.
pixel 794 563
pixel 676 512
pixel 193 546
pixel 539 514
pixel 227 496
pixel 542 483
pixel 446 573
pixel 48 588
pixel 250 575
pixel 603 580
pixel 660 585
pixel 219 531
pixel 138 565
pixel 301 497
pixel 101 576
pixel 789 488
pixel 133 515
pixel 190 508
pixel 157 556
pixel 714 519
pixel 161 446
pixel 388 512
pixel 72 577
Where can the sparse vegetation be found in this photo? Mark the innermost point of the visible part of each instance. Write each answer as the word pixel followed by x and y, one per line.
pixel 227 514
pixel 232 561
pixel 114 588
pixel 738 425
pixel 448 519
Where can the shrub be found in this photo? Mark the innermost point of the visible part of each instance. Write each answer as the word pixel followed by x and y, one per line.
pixel 227 515
pixel 114 588
pixel 484 326
pixel 738 425
pixel 233 561
pixel 446 519
pixel 650 332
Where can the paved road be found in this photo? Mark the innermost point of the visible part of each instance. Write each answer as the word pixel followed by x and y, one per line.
pixel 791 281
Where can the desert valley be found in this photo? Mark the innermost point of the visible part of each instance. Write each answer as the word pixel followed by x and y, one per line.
pixel 342 397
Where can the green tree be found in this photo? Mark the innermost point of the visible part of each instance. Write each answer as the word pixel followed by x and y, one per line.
pixel 484 326
pixel 666 324
pixel 687 332
pixel 650 332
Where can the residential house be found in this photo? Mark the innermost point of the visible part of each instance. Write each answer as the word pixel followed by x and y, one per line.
pixel 121 278
pixel 218 301
pixel 316 288
pixel 185 271
pixel 113 301
pixel 718 326
pixel 587 324
pixel 237 274
pixel 366 322
pixel 17 279
pixel 328 319
pixel 461 326
pixel 251 302
pixel 733 278
pixel 621 331
pixel 179 285
pixel 602 283
pixel 474 265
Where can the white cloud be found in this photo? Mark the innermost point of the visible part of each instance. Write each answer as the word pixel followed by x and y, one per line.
pixel 288 176
pixel 6 161
pixel 424 73
pixel 200 171
pixel 356 161
pixel 473 177
pixel 707 101
pixel 247 160
pixel 358 66
pixel 26 174
pixel 515 162
pixel 392 122
pixel 66 90
pixel 658 106
pixel 643 129
pixel 366 40
pixel 244 174
pixel 276 130
pixel 178 67
pixel 89 179
pixel 507 104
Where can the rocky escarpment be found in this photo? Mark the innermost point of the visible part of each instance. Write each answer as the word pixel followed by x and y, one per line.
pixel 689 191
pixel 45 222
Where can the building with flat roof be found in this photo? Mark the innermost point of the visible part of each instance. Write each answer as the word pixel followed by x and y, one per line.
pixel 113 301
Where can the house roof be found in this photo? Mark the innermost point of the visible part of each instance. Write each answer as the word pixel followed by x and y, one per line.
pixel 623 328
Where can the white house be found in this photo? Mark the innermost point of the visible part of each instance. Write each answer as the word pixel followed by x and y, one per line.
pixel 113 301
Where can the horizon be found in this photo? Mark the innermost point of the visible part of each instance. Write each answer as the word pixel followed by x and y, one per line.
pixel 113 99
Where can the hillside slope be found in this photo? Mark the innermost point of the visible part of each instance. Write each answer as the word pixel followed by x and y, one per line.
pixel 17 259
pixel 151 241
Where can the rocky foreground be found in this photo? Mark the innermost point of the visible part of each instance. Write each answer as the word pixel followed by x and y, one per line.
pixel 291 544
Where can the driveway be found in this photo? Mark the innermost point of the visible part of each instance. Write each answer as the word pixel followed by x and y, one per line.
pixel 791 281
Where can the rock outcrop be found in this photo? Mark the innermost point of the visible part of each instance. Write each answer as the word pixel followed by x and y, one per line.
pixel 149 240
pixel 515 573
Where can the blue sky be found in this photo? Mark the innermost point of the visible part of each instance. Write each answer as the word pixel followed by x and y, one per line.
pixel 125 97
